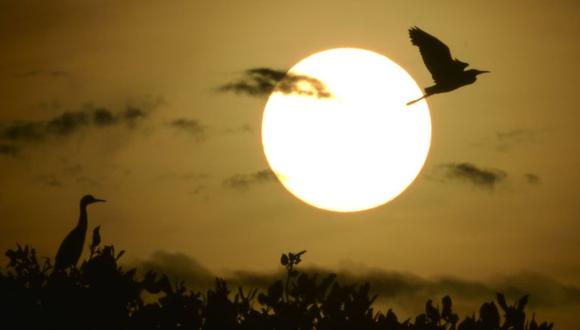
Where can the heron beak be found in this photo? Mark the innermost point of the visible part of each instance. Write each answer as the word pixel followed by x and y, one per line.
pixel 480 72
pixel 99 200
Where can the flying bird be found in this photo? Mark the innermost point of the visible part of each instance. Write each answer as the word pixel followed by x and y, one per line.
pixel 71 248
pixel 448 73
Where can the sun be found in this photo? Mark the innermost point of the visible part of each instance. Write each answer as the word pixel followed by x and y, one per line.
pixel 357 149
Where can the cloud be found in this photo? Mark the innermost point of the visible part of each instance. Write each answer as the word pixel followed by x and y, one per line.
pixel 243 182
pixel 188 176
pixel 506 140
pixel 133 114
pixel 467 172
pixel 245 128
pixel 23 131
pixel 88 181
pixel 73 169
pixel 406 290
pixel 260 82
pixel 197 190
pixel 178 267
pixel 517 135
pixel 191 126
pixel 410 290
pixel 8 150
pixel 532 178
pixel 68 123
pixel 50 181
pixel 196 183
pixel 43 73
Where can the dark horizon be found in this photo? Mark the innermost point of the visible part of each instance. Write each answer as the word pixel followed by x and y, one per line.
pixel 101 293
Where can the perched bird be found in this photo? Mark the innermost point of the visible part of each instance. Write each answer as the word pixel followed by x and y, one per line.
pixel 447 72
pixel 71 248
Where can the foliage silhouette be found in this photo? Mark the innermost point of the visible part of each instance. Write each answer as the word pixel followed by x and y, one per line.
pixel 100 294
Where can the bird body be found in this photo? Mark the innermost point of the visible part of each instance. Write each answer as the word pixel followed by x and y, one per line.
pixel 71 248
pixel 448 73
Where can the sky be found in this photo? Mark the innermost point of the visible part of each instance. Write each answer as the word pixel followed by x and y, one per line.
pixel 121 99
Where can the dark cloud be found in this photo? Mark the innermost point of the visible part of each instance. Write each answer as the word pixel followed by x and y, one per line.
pixel 517 135
pixel 54 183
pixel 23 131
pixel 43 73
pixel 68 123
pixel 242 182
pixel 405 290
pixel 188 176
pixel 468 172
pixel 410 290
pixel 196 183
pixel 504 141
pixel 261 82
pixel 245 128
pixel 50 180
pixel 191 126
pixel 179 267
pixel 73 169
pixel 532 178
pixel 102 117
pixel 197 190
pixel 194 176
pixel 133 114
pixel 8 150
pixel 88 181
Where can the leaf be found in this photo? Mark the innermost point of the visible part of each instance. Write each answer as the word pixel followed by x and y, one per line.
pixel 262 299
pixel 522 302
pixel 284 260
pixel 501 302
pixel 275 290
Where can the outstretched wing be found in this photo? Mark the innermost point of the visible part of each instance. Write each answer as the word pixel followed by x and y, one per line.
pixel 436 55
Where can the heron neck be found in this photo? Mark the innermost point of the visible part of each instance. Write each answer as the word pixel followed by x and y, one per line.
pixel 83 218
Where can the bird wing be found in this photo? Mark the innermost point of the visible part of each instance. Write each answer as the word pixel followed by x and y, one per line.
pixel 436 55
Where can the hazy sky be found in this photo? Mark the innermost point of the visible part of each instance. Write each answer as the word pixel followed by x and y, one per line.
pixel 147 131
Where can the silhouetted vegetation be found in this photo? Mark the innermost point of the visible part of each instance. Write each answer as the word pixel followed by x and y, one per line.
pixel 100 294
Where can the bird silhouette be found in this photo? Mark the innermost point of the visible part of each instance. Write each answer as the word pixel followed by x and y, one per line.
pixel 71 248
pixel 448 73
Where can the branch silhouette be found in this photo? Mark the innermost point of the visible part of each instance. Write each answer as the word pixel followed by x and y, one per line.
pixel 101 294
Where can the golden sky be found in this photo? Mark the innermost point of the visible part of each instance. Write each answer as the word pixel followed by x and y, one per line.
pixel 180 176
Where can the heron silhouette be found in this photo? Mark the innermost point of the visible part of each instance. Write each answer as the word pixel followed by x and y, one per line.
pixel 448 73
pixel 71 248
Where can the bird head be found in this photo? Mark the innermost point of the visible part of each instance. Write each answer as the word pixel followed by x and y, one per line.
pixel 477 72
pixel 89 199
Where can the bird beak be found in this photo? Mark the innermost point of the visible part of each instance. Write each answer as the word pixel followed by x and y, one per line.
pixel 480 72
pixel 100 200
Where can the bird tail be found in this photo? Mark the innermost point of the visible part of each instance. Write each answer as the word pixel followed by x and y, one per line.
pixel 428 92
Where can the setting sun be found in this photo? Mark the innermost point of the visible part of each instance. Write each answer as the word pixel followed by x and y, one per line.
pixel 357 149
